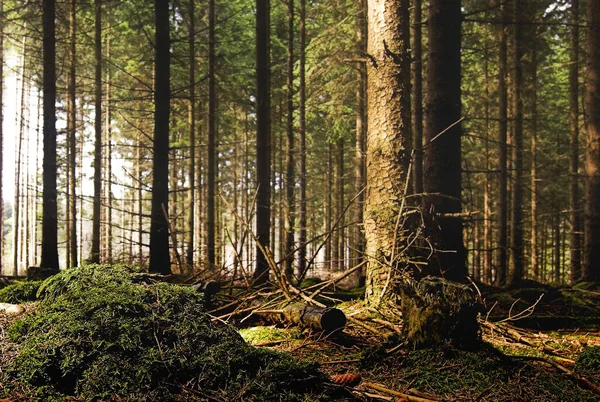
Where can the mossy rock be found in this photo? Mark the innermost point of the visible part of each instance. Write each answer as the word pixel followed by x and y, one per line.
pixel 97 335
pixel 20 292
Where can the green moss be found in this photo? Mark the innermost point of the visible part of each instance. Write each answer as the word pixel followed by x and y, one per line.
pixel 98 335
pixel 254 335
pixel 20 292
pixel 588 361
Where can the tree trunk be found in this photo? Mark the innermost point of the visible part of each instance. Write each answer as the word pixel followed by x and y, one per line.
pixel 160 261
pixel 591 269
pixel 417 97
pixel 95 252
pixel 302 179
pixel 290 178
pixel 212 127
pixel 2 137
pixel 263 137
pixel 108 162
pixel 72 132
pixel 191 137
pixel 534 178
pixel 516 270
pixel 388 142
pixel 502 239
pixel 17 211
pixel 49 259
pixel 574 201
pixel 442 165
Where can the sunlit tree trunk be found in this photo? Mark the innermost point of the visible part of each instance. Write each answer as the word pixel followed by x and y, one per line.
pixel 388 141
pixel 49 256
pixel 160 261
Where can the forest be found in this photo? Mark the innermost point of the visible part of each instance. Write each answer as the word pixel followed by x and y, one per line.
pixel 300 200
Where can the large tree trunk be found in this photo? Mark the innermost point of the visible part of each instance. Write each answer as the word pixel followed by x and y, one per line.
pixel 591 269
pixel 442 165
pixel 388 142
pixel 160 260
pixel 263 137
pixel 49 259
pixel 502 239
pixel 574 201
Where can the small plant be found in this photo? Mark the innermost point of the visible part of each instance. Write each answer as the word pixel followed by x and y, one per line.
pixel 588 361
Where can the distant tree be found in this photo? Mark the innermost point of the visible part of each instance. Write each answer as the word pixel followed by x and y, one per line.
pixel 160 260
pixel 95 251
pixel 591 269
pixel 442 156
pixel 49 258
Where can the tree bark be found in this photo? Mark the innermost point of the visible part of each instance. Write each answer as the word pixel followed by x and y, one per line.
pixel 49 260
pixel 591 269
pixel 160 260
pixel 388 142
pixel 502 239
pixel 72 132
pixel 574 197
pixel 442 164
pixel 263 137
pixel 516 270
pixel 290 178
pixel 212 127
pixel 302 179
pixel 95 252
pixel 191 137
pixel 417 97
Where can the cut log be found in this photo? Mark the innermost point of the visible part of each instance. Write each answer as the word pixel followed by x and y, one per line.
pixel 327 319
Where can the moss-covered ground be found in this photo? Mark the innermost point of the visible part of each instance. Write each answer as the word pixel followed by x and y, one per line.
pixel 97 334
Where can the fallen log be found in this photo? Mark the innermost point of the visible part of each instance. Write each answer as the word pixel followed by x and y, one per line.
pixel 326 319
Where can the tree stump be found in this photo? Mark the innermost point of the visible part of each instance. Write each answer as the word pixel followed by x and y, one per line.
pixel 437 311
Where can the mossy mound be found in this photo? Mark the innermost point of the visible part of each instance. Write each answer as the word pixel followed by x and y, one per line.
pixel 98 335
pixel 20 292
pixel 588 361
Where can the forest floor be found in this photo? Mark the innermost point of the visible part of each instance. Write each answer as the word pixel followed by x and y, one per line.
pixel 539 344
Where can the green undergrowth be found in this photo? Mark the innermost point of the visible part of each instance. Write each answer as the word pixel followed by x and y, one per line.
pixel 260 334
pixel 483 375
pixel 20 292
pixel 97 335
pixel 588 361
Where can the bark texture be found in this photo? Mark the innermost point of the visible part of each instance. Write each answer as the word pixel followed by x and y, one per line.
pixel 388 140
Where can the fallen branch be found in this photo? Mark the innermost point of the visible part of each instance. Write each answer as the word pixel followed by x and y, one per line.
pixel 407 397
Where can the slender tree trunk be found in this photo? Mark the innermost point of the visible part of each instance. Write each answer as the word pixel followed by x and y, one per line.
pixel 263 137
pixel 108 162
pixel 96 209
pixel 591 268
pixel 339 205
pixel 502 239
pixel 486 274
pixel 212 127
pixel 442 164
pixel 17 213
pixel 49 259
pixel 72 123
pixel 160 261
pixel 574 201
pixel 534 174
pixel 517 268
pixel 191 136
pixel 302 179
pixel 329 208
pixel 388 142
pixel 417 97
pixel 290 178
